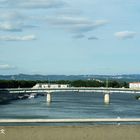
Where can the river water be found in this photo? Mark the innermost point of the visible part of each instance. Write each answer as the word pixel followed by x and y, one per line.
pixel 73 105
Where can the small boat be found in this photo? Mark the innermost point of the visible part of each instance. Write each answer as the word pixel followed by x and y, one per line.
pixel 33 95
pixel 20 97
pixel 24 96
pixel 137 97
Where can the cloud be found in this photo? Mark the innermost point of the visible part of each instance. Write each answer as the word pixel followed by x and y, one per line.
pixel 14 26
pixel 15 21
pixel 6 67
pixel 93 38
pixel 86 27
pixel 34 4
pixel 12 16
pixel 66 21
pixel 79 36
pixel 125 34
pixel 10 27
pixel 75 24
pixel 3 1
pixel 18 38
pixel 99 23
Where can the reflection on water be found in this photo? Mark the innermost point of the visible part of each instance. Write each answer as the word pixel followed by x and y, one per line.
pixel 73 105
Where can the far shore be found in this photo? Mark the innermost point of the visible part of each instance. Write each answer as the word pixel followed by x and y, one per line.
pixel 96 132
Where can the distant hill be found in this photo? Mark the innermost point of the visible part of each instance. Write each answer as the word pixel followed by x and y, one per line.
pixel 128 78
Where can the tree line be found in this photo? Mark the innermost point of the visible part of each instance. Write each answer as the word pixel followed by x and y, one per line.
pixel 76 83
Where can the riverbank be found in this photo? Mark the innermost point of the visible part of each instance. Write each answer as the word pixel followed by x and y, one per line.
pixel 97 132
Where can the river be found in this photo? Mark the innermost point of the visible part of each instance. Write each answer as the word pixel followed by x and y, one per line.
pixel 73 105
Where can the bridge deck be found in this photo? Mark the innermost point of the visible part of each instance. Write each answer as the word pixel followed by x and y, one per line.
pixel 77 89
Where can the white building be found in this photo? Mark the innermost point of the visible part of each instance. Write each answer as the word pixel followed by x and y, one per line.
pixel 44 85
pixel 134 85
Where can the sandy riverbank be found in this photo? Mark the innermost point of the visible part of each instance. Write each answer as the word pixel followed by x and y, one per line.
pixel 101 132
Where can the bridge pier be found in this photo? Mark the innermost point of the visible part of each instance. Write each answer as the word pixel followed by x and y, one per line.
pixel 107 98
pixel 49 98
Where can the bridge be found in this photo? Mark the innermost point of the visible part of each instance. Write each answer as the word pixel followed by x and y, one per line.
pixel 48 91
pixel 73 89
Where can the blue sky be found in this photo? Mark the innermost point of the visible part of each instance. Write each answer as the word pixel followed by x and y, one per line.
pixel 69 37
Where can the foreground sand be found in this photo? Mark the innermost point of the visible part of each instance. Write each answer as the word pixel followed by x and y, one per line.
pixel 99 132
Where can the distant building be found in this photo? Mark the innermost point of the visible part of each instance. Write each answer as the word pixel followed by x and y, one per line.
pixel 43 85
pixel 134 85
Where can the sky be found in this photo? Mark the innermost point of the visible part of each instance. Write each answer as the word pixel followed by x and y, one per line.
pixel 69 37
